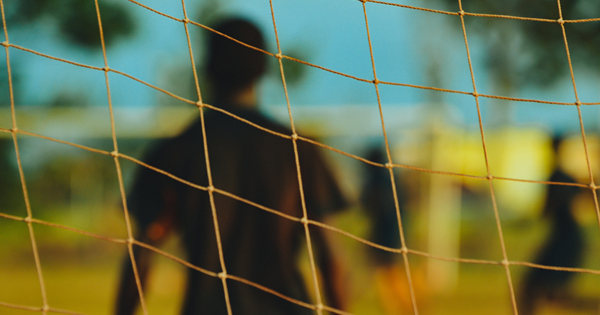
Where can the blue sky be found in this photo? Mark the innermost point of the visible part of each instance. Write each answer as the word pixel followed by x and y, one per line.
pixel 408 45
pixel 330 33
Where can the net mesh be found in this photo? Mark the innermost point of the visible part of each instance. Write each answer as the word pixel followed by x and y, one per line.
pixel 404 251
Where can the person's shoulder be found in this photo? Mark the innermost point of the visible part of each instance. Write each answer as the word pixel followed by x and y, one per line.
pixel 267 122
pixel 167 152
pixel 247 121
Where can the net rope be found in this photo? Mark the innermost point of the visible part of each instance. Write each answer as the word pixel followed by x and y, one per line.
pixel 319 307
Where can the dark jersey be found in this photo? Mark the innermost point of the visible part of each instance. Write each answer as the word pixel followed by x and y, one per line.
pixel 257 245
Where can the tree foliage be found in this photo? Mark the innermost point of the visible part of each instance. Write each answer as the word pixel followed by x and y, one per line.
pixel 533 52
pixel 76 20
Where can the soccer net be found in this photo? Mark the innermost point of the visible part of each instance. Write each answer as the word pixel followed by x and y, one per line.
pixel 404 251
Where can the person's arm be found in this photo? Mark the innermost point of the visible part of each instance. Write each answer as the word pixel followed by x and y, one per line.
pixel 324 198
pixel 153 202
pixel 128 296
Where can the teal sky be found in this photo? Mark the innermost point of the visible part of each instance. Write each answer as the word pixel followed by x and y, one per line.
pixel 408 46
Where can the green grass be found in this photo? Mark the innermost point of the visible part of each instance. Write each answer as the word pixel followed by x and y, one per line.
pixel 88 289
pixel 81 273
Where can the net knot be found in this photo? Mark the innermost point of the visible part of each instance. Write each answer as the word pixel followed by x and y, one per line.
pixel 28 220
pixel 304 221
pixel 186 20
pixel 560 21
pixel 461 12
pixel 403 250
pixel 46 308
pixel 106 69
pixel 295 136
pixel 578 103
pixel 319 307
pixel 593 186
pixel 505 263
pixel 375 81
pixel 114 154
pixel 130 240
pixel 389 165
pixel 475 94
pixel 363 1
pixel 222 275
pixel 15 130
pixel 5 44
pixel 490 177
pixel 199 104
pixel 210 188
pixel 279 56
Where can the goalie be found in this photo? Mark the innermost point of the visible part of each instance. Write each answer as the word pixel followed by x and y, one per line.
pixel 253 164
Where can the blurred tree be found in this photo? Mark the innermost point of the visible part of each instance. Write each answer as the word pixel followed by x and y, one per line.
pixel 210 10
pixel 540 45
pixel 76 20
pixel 76 24
pixel 295 72
pixel 69 99
pixel 529 52
pixel 51 186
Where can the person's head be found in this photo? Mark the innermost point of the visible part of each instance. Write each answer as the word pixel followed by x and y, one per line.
pixel 232 67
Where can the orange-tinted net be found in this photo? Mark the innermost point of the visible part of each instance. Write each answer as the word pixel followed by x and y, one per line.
pixel 319 307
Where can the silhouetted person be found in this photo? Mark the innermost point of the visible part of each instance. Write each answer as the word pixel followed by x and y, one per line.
pixel 377 198
pixel 563 248
pixel 378 201
pixel 252 164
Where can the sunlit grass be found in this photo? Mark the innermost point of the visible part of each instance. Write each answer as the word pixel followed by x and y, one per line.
pixel 81 274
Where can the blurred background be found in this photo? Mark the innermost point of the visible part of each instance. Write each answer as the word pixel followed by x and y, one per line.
pixel 444 215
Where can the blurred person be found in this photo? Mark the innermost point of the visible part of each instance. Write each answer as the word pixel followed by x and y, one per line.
pixel 253 164
pixel 377 200
pixel 563 247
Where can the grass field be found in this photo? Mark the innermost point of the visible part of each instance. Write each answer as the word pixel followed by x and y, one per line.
pixel 81 274
pixel 90 289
